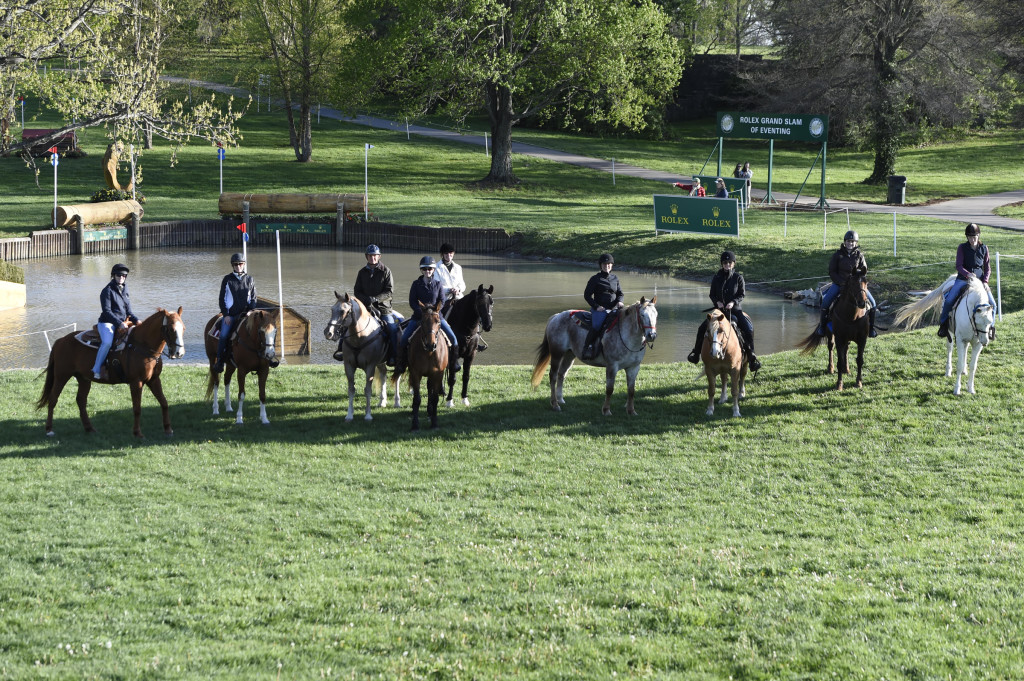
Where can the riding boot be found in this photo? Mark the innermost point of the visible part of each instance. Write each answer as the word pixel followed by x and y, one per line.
pixel 944 329
pixel 589 351
pixel 481 345
pixel 822 329
pixel 871 320
pixel 694 356
pixel 338 354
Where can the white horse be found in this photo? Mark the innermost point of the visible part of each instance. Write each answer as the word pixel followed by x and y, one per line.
pixel 971 322
pixel 624 346
pixel 365 348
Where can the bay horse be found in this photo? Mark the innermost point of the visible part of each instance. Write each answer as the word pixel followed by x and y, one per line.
pixel 428 358
pixel 971 322
pixel 849 317
pixel 468 314
pixel 365 347
pixel 723 358
pixel 252 350
pixel 140 363
pixel 625 343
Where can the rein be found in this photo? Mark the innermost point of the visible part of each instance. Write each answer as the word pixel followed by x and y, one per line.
pixel 130 344
pixel 643 336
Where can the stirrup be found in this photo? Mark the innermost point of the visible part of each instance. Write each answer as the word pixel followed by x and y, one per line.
pixel 754 363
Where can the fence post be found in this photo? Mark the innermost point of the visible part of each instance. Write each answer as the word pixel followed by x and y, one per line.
pixel 133 233
pixel 785 218
pixel 999 289
pixel 339 229
pixel 79 236
pixel 824 235
pixel 894 234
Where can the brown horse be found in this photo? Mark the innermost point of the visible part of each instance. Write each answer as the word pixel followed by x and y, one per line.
pixel 723 358
pixel 849 319
pixel 428 358
pixel 252 349
pixel 140 363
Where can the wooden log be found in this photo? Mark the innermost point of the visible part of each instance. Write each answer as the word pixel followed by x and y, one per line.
pixel 96 213
pixel 231 203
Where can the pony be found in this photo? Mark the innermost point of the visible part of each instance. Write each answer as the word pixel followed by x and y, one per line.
pixel 365 347
pixel 467 314
pixel 849 319
pixel 140 363
pixel 723 358
pixel 428 358
pixel 252 350
pixel 972 322
pixel 625 343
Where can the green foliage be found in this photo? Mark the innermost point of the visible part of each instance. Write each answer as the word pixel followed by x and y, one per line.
pixel 11 273
pixel 116 195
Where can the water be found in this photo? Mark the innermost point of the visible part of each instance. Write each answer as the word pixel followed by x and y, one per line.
pixel 65 290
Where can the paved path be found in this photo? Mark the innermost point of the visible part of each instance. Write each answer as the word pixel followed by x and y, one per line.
pixel 971 209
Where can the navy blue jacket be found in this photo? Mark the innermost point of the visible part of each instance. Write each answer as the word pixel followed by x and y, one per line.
pixel 116 305
pixel 428 292
pixel 603 291
pixel 237 295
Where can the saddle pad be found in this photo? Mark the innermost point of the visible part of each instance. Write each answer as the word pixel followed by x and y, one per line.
pixel 90 338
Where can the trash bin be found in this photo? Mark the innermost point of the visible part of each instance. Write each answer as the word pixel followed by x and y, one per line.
pixel 897 189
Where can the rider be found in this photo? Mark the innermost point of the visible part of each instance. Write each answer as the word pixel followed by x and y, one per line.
pixel 374 288
pixel 115 311
pixel 453 286
pixel 845 260
pixel 971 262
pixel 425 289
pixel 237 297
pixel 727 293
pixel 603 294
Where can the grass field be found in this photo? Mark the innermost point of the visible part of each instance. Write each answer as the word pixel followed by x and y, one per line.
pixel 875 534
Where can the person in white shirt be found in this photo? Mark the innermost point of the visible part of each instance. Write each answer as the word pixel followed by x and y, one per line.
pixel 449 274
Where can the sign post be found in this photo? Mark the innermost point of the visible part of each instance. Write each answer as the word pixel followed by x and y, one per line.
pixel 55 160
pixel 220 158
pixel 366 181
pixel 700 215
pixel 21 100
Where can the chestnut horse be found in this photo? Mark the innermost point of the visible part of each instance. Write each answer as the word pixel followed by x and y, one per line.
pixel 468 315
pixel 723 358
pixel 252 350
pixel 849 319
pixel 428 358
pixel 139 360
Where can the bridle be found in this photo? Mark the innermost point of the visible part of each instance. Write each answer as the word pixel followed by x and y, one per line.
pixel 644 336
pixel 717 323
pixel 266 341
pixel 432 345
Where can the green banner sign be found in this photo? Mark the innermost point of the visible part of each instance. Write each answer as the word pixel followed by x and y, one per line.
pixel 736 186
pixel 696 214
pixel 105 234
pixel 796 127
pixel 293 227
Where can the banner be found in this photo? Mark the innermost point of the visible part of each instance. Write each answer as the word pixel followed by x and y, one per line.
pixel 696 214
pixel 294 228
pixel 795 127
pixel 104 234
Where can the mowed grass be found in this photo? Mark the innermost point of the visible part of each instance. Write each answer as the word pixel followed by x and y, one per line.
pixel 874 534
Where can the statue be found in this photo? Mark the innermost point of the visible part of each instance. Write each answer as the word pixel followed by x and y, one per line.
pixel 110 159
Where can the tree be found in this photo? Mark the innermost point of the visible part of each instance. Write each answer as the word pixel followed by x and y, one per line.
pixel 603 60
pixel 302 39
pixel 884 66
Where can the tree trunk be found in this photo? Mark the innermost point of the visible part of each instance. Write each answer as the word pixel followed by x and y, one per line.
pixel 305 150
pixel 499 108
pixel 148 136
pixel 887 114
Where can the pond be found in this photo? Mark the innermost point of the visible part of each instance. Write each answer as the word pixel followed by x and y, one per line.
pixel 63 291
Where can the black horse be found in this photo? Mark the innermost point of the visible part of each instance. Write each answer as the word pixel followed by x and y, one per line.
pixel 468 314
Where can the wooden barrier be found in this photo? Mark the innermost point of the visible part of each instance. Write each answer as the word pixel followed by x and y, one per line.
pixel 97 213
pixel 294 204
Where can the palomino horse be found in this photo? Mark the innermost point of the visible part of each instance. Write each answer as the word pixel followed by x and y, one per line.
pixel 252 350
pixel 140 363
pixel 365 347
pixel 972 322
pixel 428 358
pixel 723 357
pixel 635 327
pixel 849 319
pixel 468 313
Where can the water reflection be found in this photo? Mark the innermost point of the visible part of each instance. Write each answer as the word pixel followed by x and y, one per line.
pixel 526 292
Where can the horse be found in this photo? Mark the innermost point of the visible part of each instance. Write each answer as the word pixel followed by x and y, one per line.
pixel 467 314
pixel 252 350
pixel 723 357
pixel 626 341
pixel 972 322
pixel 428 358
pixel 850 323
pixel 365 347
pixel 140 363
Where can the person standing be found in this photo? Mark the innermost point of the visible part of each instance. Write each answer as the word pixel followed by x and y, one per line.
pixel 375 288
pixel 747 174
pixel 115 312
pixel 845 261
pixel 727 293
pixel 697 190
pixel 720 191
pixel 972 262
pixel 604 295
pixel 427 290
pixel 237 298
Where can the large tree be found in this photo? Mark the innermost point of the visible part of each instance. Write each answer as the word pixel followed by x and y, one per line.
pixel 602 60
pixel 883 67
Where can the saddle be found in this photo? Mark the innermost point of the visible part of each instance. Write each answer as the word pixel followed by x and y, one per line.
pixel 91 338
pixel 215 329
pixel 584 318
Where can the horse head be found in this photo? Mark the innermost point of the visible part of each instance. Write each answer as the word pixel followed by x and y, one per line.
pixel 341 309
pixel 718 332
pixel 173 331
pixel 261 327
pixel 983 318
pixel 430 325
pixel 857 288
pixel 647 319
pixel 484 305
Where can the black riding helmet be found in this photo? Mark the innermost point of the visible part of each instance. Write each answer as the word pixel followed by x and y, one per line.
pixel 119 268
pixel 427 262
pixel 605 258
pixel 851 236
pixel 728 256
pixel 972 230
pixel 237 258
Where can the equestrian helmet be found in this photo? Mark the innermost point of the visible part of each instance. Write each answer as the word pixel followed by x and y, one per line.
pixel 605 258
pixel 447 248
pixel 237 258
pixel 427 262
pixel 851 236
pixel 119 268
pixel 972 230
pixel 728 256
pixel 373 249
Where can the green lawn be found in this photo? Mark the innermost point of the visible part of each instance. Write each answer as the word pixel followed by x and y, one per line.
pixel 875 534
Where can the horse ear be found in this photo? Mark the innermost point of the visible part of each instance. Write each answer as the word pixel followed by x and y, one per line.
pixel 348 299
pixel 643 299
pixel 654 300
pixel 337 295
pixel 490 289
pixel 179 310
pixel 480 288
pixel 420 302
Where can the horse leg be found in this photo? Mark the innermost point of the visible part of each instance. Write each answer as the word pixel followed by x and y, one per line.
pixel 381 375
pixel 712 390
pixel 448 401
pixel 241 397
pixel 435 387
pixel 465 380
pixel 368 391
pixel 398 393
pixel 555 378
pixel 961 363
pixel 831 349
pixel 414 383
pixel 565 362
pixel 842 350
pixel 136 390
pixel 949 358
pixel 631 374
pixel 724 397
pixel 261 374
pixel 350 376
pixel 156 387
pixel 734 375
pixel 228 372
pixel 609 388
pixel 860 362
pixel 976 349
pixel 82 398
pixel 743 381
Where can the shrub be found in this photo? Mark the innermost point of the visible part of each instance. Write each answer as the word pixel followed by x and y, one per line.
pixel 116 195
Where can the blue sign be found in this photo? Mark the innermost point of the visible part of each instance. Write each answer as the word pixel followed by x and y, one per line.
pixel 54 160
pixel 220 153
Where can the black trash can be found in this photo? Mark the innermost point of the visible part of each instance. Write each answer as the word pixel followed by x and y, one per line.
pixel 897 189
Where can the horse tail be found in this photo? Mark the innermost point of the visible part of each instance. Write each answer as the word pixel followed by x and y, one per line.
pixel 912 313
pixel 810 344
pixel 211 383
pixel 543 359
pixel 44 398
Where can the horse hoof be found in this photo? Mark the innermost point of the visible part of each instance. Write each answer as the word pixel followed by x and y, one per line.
pixel 348 419
pixel 50 433
pixel 606 412
pixel 465 402
pixel 709 412
pixel 450 403
pixel 169 433
pixel 415 428
pixel 631 412
pixel 265 422
pixel 238 421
